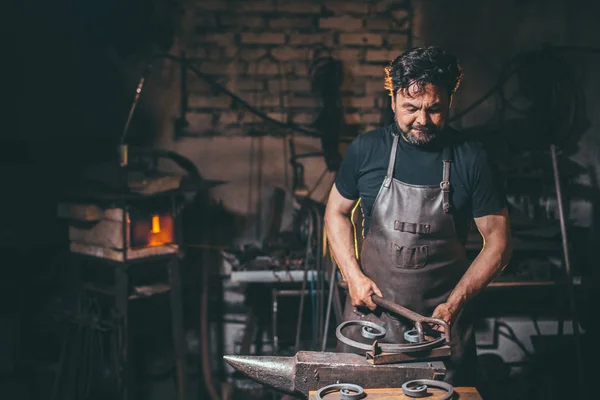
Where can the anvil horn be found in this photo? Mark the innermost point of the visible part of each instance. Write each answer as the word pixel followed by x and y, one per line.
pixel 277 372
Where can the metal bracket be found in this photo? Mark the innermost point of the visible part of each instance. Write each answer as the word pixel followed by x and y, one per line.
pixel 378 357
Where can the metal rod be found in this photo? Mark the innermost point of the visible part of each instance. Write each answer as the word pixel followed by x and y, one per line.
pixel 304 282
pixel 136 100
pixel 329 303
pixel 568 272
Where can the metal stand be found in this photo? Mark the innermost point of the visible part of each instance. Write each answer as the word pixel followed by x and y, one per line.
pixel 568 272
pixel 122 295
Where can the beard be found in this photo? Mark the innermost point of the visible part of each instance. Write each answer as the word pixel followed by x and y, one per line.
pixel 418 135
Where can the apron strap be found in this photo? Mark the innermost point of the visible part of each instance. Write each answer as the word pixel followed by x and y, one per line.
pixel 390 171
pixel 445 184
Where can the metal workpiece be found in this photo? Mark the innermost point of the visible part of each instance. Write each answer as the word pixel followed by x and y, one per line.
pixel 418 388
pixel 417 318
pixel 386 347
pixel 348 391
pixel 310 370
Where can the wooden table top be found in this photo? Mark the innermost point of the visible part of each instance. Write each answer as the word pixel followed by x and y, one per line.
pixel 460 393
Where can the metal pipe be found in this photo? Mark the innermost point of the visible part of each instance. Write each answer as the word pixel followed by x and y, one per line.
pixel 568 272
pixel 329 303
pixel 304 282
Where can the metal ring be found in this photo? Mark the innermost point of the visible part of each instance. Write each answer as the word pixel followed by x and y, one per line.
pixel 373 332
pixel 427 383
pixel 385 347
pixel 348 391
pixel 418 390
pixel 411 336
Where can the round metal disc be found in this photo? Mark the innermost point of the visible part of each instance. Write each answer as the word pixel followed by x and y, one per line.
pixel 373 332
pixel 348 391
pixel 408 388
pixel 411 336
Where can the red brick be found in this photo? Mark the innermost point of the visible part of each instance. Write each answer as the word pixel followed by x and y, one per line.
pixel 304 102
pixel 242 84
pixel 225 39
pixel 246 54
pixel 292 23
pixel 278 116
pixel 248 118
pixel 347 54
pixel 370 118
pixel 303 118
pixel 265 67
pixel 299 7
pixel 263 38
pixel 199 86
pixel 382 24
pixel 352 119
pixel 368 39
pixel 299 85
pixel 300 68
pixel 341 7
pixel 343 23
pixel 288 53
pixel 380 55
pixel 265 100
pixel 352 84
pixel 398 40
pixel 227 118
pixel 374 86
pixel 359 102
pixel 222 68
pixel 276 86
pixel 204 101
pixel 242 21
pixel 199 122
pixel 308 39
pixel 213 68
pixel 374 71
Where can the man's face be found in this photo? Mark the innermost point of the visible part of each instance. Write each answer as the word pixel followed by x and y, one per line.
pixel 421 114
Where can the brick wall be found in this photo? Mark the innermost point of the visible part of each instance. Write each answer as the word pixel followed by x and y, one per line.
pixel 261 50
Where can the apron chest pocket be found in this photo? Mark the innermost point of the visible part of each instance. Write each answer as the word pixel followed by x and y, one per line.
pixel 409 257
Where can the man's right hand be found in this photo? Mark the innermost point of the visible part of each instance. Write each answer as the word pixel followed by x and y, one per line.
pixel 360 289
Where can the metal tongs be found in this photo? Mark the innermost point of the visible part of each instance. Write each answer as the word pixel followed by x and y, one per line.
pixel 417 318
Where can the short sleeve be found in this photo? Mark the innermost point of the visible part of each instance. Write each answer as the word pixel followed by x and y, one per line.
pixel 346 181
pixel 486 190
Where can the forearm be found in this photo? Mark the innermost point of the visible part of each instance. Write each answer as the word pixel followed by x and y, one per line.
pixel 340 235
pixel 489 263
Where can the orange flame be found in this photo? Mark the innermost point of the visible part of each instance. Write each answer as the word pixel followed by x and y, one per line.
pixel 155 224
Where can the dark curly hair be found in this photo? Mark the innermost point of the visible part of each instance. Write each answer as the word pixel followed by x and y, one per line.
pixel 423 65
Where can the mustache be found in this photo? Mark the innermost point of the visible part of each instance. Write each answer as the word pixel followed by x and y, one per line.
pixel 424 128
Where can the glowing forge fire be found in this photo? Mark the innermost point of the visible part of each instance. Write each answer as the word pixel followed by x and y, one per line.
pixel 157 231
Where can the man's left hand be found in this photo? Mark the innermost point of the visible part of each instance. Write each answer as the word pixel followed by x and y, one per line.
pixel 443 312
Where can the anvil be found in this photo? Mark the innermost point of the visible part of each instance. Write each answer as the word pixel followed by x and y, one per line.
pixel 311 370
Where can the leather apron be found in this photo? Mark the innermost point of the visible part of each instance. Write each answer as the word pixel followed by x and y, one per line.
pixel 414 256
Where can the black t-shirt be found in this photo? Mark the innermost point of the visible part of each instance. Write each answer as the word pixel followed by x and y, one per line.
pixel 474 188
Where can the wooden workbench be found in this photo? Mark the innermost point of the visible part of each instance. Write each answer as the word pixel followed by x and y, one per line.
pixel 460 393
